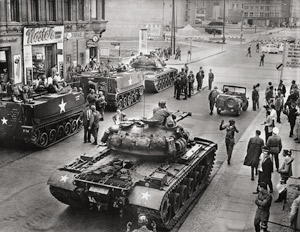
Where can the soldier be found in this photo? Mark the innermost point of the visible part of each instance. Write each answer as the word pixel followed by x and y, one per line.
pixel 119 116
pixel 91 97
pixel 101 104
pixel 294 214
pixel 163 115
pixel 184 85
pixel 142 221
pixel 94 123
pixel 191 80
pixel 275 145
pixel 229 138
pixel 212 99
pixel 179 83
pixel 86 118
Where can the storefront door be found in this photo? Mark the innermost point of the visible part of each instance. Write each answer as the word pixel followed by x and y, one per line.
pixel 50 58
pixel 5 65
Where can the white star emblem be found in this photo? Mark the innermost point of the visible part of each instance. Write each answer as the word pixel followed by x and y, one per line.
pixel 145 196
pixel 64 178
pixel 62 106
pixel 4 121
pixel 130 81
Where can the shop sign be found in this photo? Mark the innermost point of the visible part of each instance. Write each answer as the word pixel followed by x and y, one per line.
pixel 292 55
pixel 43 35
pixel 90 43
pixel 74 35
pixel 8 40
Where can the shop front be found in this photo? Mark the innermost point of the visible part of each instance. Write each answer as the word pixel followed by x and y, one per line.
pixel 10 59
pixel 43 49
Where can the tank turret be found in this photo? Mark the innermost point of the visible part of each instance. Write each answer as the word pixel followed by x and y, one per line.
pixel 148 62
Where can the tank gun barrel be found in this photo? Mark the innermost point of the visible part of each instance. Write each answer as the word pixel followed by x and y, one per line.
pixel 183 116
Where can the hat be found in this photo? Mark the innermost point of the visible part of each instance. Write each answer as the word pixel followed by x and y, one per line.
pixel 275 131
pixel 265 148
pixel 215 87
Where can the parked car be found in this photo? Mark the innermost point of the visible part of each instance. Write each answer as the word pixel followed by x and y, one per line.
pixel 233 99
pixel 214 27
pixel 269 48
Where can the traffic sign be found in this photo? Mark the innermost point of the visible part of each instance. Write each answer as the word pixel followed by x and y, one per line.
pixel 279 66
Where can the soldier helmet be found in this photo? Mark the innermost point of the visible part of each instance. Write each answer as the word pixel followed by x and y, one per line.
pixel 162 103
pixel 231 122
pixel 142 220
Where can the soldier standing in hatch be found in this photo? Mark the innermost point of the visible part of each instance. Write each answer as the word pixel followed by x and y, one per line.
pixel 229 138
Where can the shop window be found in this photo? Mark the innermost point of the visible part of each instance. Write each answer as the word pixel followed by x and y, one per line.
pixel 94 6
pixel 80 9
pixel 34 10
pixel 15 10
pixel 67 10
pixel 4 68
pixel 52 10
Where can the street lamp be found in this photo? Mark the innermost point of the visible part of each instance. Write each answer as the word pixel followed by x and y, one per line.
pixel 224 23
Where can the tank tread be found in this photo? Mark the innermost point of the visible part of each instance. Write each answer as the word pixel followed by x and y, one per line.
pixel 129 98
pixel 49 134
pixel 161 82
pixel 175 217
pixel 67 197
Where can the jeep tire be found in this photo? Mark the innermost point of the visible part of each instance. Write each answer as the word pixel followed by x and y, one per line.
pixel 230 103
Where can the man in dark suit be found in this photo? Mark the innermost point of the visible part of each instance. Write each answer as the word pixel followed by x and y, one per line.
pixel 199 78
pixel 86 118
pixel 265 169
pixel 94 123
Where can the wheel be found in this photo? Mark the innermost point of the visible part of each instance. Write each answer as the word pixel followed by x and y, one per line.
pixel 44 139
pixel 129 101
pixel 175 202
pixel 120 103
pixel 125 103
pixel 52 135
pixel 182 190
pixel 246 106
pixel 218 111
pixel 36 135
pixel 189 182
pixel 68 128
pixel 166 211
pixel 230 102
pixel 196 176
pixel 74 126
pixel 60 132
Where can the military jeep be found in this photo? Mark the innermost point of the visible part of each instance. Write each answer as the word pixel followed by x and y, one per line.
pixel 232 99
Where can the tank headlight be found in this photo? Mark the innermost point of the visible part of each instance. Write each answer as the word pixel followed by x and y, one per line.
pixel 147 185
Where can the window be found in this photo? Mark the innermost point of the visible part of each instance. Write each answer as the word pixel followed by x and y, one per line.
pixel 268 1
pixel 256 7
pixel 257 1
pixel 245 14
pixel 261 14
pixel 34 10
pixel 246 7
pixel 67 10
pixel 251 14
pixel 15 10
pixel 271 14
pixel 262 7
pixel 232 7
pixel 267 8
pixel 256 14
pixel 267 15
pixel 251 7
pixel 80 9
pixel 52 10
pixel 94 9
pixel 277 14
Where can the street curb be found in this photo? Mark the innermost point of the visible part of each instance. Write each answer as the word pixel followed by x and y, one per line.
pixel 198 59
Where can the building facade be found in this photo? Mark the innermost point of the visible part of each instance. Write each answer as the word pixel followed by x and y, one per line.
pixel 295 13
pixel 35 35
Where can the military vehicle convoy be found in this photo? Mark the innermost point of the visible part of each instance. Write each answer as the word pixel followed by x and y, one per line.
pixel 46 120
pixel 121 89
pixel 145 168
pixel 157 76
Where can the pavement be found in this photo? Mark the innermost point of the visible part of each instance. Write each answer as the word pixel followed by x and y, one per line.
pixel 228 202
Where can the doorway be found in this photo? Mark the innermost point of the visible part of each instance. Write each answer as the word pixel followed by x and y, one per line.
pixel 51 58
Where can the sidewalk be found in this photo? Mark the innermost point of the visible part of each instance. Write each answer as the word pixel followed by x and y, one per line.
pixel 228 203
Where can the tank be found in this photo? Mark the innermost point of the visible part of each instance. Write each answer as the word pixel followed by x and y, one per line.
pixel 145 168
pixel 121 89
pixel 48 119
pixel 157 76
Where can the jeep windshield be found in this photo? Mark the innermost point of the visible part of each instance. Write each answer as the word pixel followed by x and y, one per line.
pixel 234 89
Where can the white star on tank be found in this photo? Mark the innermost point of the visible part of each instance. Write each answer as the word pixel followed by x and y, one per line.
pixel 145 196
pixel 62 106
pixel 64 178
pixel 4 121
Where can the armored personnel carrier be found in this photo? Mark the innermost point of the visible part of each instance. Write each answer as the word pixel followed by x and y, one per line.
pixel 145 168
pixel 46 120
pixel 157 76
pixel 121 89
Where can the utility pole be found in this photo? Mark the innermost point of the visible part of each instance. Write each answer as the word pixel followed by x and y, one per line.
pixel 224 23
pixel 173 28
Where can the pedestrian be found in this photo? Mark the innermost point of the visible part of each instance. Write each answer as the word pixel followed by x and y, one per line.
pixel 212 97
pixel 191 80
pixel 278 105
pixel 179 83
pixel 248 51
pixel 255 98
pixel 199 78
pixel 263 202
pixel 184 85
pixel 95 123
pixel 268 126
pixel 54 71
pixel 118 117
pixel 294 86
pixel 176 83
pixel 211 77
pixel 178 54
pixel 189 55
pixel 86 118
pixel 229 137
pixel 101 104
pixel 262 59
pixel 257 48
pixel 292 115
pixel 275 145
pixel 186 68
pixel 265 169
pixel 254 150
pixel 286 168
pixel 294 214
pixel 281 88
pixel 269 95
